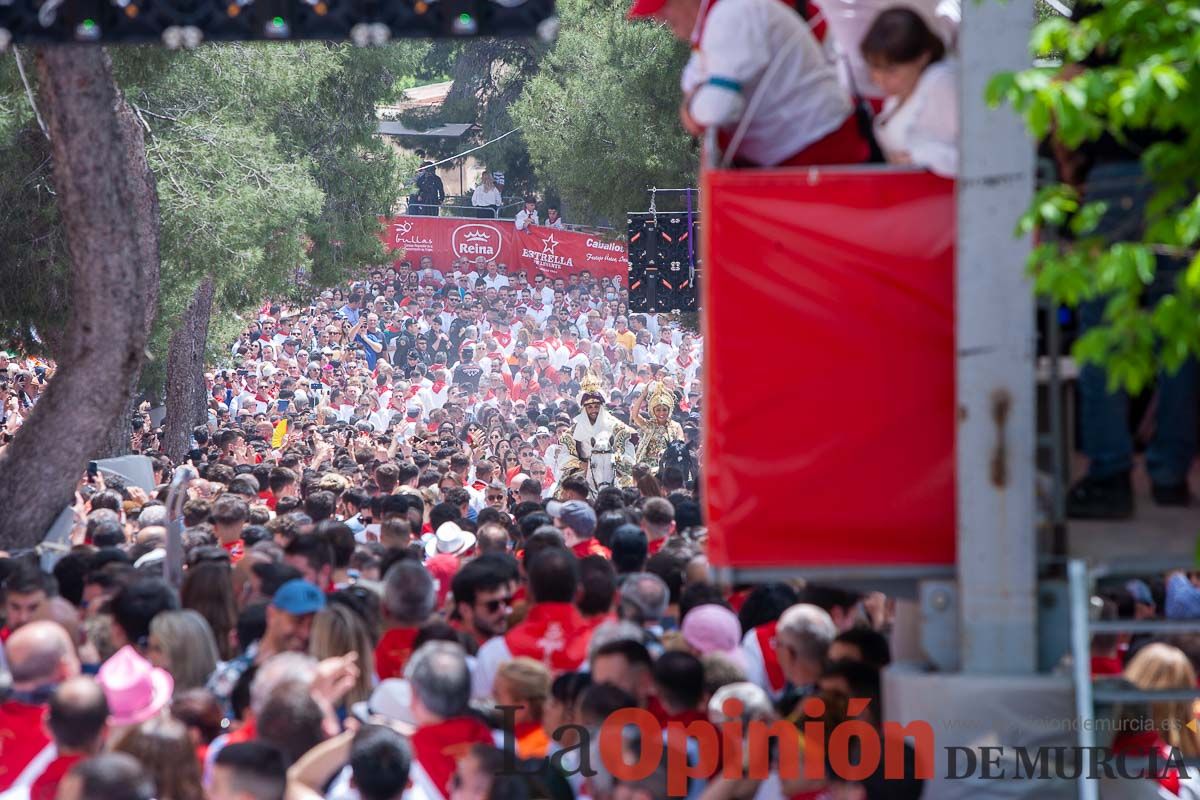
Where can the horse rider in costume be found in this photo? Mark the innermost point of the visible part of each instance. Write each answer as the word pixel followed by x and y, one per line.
pixel 657 430
pixel 588 426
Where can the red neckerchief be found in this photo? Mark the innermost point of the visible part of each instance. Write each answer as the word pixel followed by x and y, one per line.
pixel 269 497
pixel 502 338
pixel 437 387
pixel 1143 743
pixel 439 747
pixel 46 786
pixel 590 547
pixel 531 740
pixel 235 549
pixel 1107 665
pixel 656 545
pixel 23 736
pixel 554 633
pixel 738 599
pixel 765 634
pixel 682 363
pixel 392 652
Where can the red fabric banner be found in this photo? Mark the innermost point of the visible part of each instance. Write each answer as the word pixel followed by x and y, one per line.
pixel 829 336
pixel 548 251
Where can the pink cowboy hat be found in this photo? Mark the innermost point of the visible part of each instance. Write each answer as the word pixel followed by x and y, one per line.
pixel 135 689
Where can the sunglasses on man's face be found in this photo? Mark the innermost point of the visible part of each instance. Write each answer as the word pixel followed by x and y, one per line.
pixel 492 606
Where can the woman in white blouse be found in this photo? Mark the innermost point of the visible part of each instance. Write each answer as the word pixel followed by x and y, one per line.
pixel 919 121
pixel 487 195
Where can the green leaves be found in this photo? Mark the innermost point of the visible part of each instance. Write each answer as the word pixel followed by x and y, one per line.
pixel 1144 93
pixel 600 116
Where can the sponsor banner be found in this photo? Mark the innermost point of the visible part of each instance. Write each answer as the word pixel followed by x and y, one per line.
pixel 547 251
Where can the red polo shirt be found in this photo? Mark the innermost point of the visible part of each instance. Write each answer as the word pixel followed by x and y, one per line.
pixel 22 737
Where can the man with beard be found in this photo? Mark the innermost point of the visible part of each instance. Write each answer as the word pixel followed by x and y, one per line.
pixel 593 424
pixel 483 593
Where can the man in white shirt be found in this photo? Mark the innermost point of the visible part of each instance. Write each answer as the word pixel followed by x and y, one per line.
pixel 528 215
pixel 553 220
pixel 760 50
pixel 664 351
pixel 493 279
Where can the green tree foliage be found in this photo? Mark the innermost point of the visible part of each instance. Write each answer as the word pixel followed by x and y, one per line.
pixel 600 117
pixel 33 258
pixel 488 76
pixel 1149 80
pixel 269 174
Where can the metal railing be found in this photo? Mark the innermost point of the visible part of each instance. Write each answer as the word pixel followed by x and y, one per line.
pixel 488 212
pixel 478 212
pixel 1089 693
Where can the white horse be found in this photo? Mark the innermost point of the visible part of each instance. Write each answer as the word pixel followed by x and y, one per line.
pixel 600 472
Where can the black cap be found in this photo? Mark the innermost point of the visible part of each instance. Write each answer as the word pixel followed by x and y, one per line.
pixel 413 354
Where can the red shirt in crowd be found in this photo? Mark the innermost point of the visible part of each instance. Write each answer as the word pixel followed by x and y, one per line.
pixel 555 634
pixel 591 547
pixel 46 786
pixel 22 737
pixel 236 550
pixel 392 652
pixel 437 749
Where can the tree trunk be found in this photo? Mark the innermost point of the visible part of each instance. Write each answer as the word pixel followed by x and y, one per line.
pixel 118 437
pixel 107 218
pixel 186 402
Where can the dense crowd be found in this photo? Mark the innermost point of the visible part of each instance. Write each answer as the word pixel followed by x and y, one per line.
pixel 445 522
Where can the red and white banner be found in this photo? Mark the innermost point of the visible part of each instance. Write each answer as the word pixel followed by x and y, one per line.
pixel 551 252
pixel 829 384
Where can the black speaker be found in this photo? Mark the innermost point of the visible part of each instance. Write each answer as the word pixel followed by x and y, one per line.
pixel 663 256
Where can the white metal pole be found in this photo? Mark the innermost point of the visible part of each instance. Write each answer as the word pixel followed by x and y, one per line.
pixel 995 359
pixel 1079 588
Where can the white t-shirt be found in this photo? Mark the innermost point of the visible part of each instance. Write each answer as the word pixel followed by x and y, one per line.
pixel 925 126
pixel 803 102
pixel 525 219
pixel 483 197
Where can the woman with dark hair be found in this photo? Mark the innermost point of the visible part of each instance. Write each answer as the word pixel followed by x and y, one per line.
pixel 919 122
pixel 208 589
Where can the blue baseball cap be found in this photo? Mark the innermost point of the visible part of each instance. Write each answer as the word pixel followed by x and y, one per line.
pixel 575 514
pixel 299 597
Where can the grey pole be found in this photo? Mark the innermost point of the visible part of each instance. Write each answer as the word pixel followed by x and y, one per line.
pixel 995 359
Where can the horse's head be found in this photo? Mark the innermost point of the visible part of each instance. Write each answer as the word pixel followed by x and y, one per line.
pixel 600 464
pixel 602 443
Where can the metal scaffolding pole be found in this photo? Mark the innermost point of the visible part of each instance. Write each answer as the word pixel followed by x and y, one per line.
pixel 995 360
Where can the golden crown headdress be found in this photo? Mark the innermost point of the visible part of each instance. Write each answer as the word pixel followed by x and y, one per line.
pixel 590 386
pixel 661 396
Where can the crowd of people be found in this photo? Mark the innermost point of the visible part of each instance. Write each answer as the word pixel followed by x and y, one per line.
pixel 440 521
pixel 443 525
